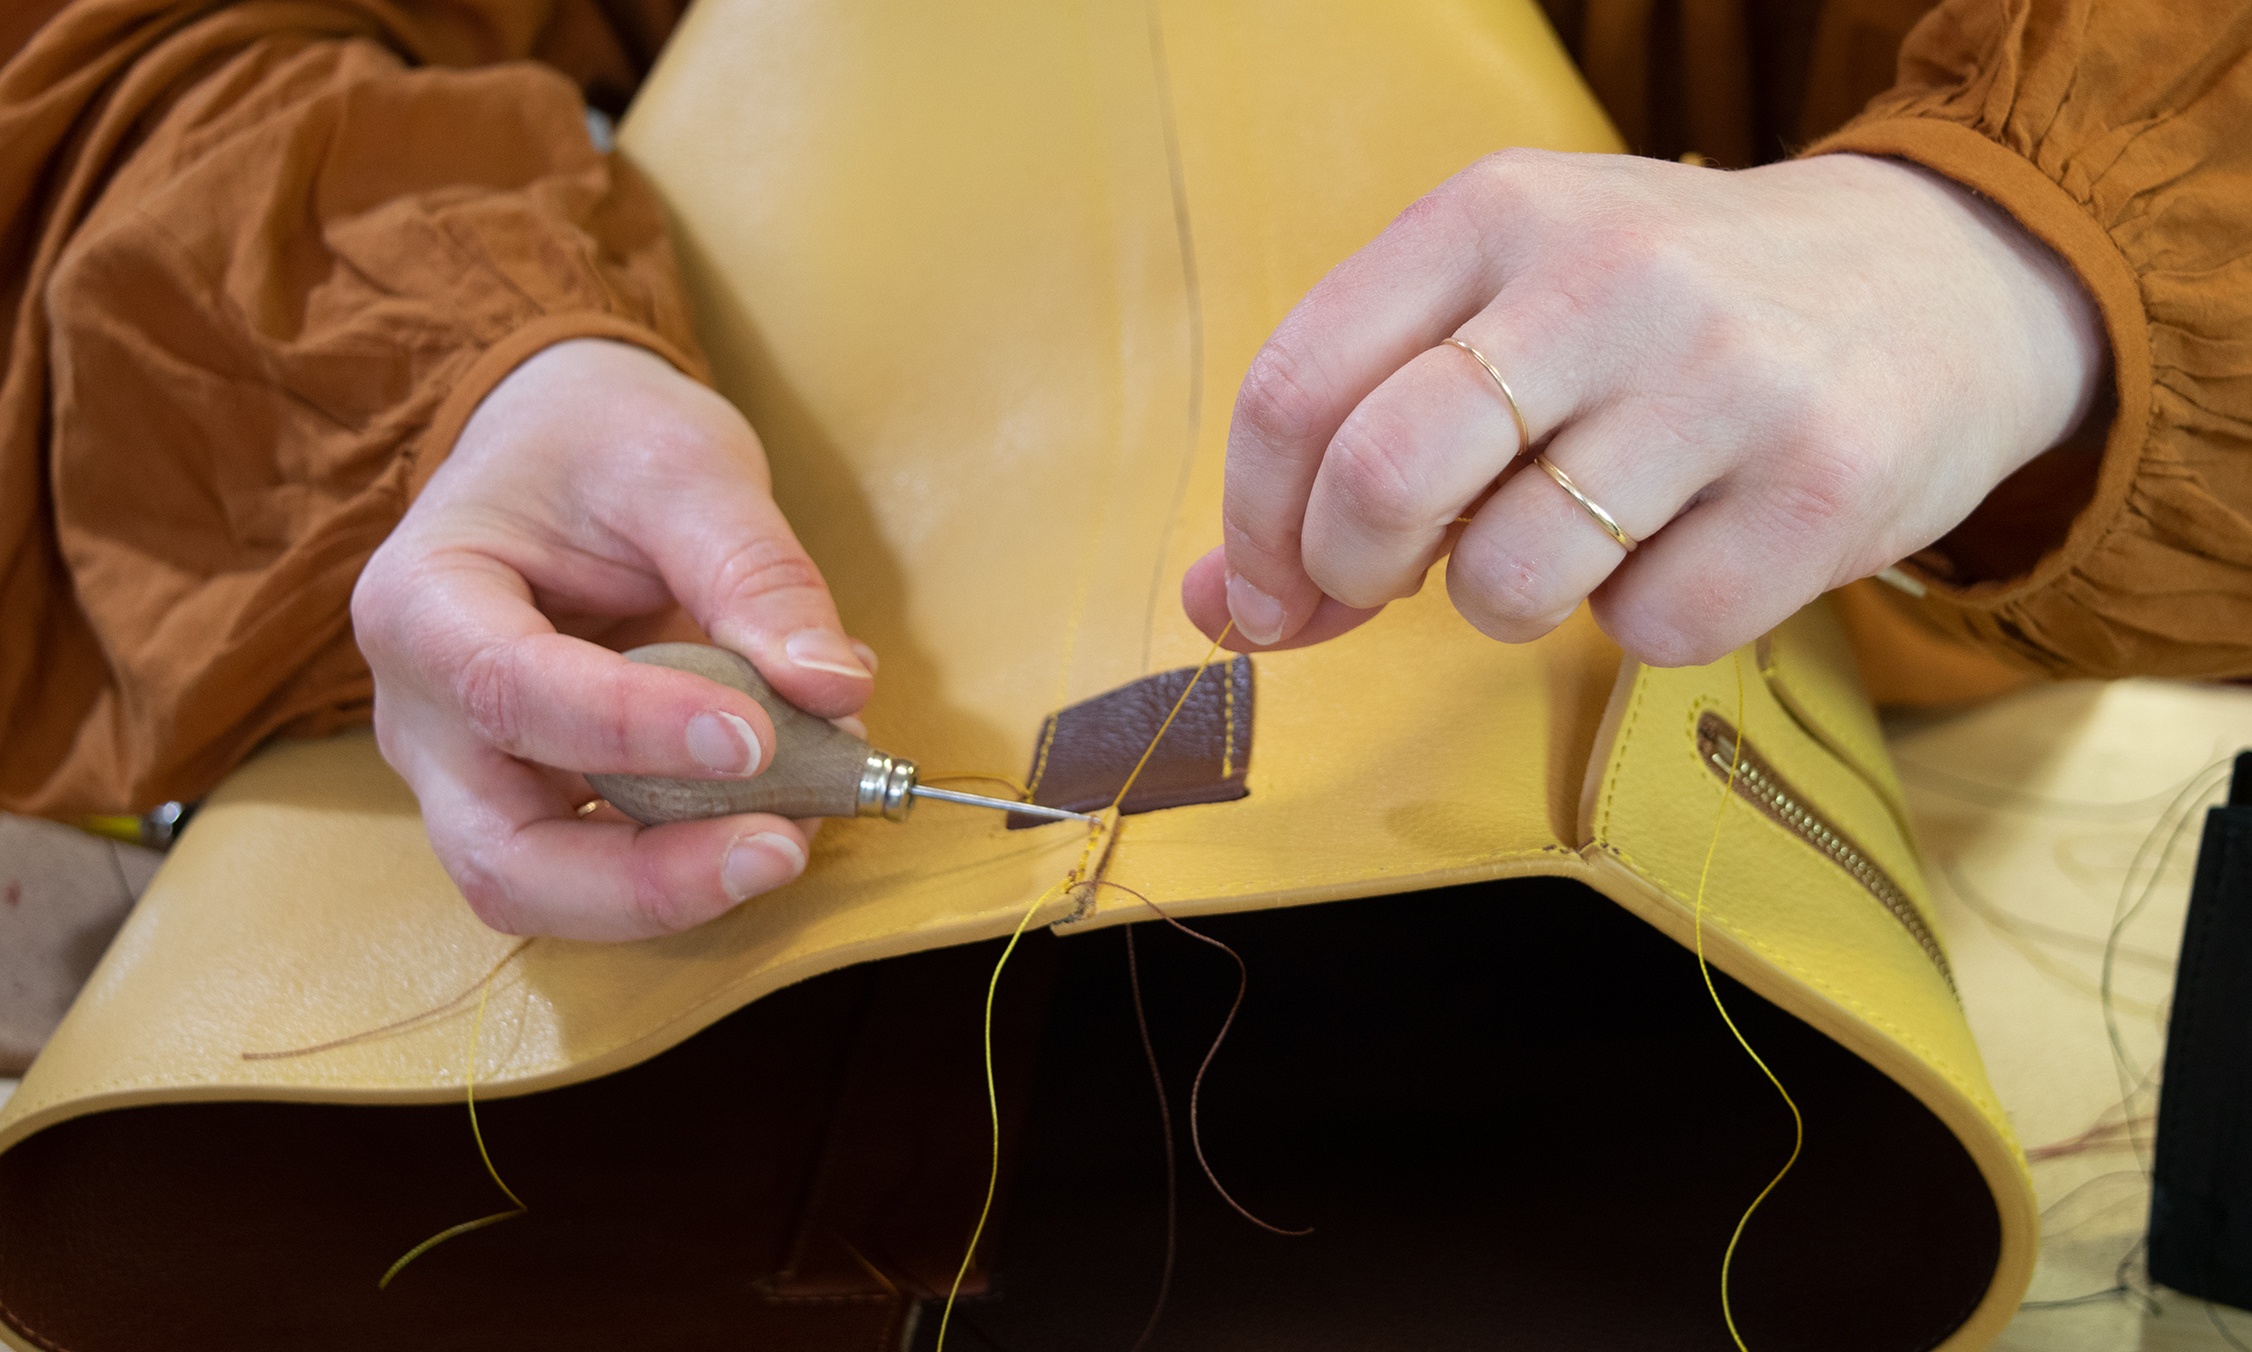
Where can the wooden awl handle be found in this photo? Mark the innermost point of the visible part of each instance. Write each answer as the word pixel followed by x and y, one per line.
pixel 816 769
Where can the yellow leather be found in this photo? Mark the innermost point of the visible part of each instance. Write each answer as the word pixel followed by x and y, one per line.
pixel 945 262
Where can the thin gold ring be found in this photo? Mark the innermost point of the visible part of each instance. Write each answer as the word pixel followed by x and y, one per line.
pixel 1524 430
pixel 1608 522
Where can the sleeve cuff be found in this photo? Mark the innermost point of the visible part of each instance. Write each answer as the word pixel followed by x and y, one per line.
pixel 494 364
pixel 2062 222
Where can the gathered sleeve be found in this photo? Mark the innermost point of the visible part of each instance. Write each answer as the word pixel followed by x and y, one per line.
pixel 277 255
pixel 2116 132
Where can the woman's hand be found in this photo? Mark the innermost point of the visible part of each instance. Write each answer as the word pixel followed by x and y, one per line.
pixel 1778 380
pixel 594 484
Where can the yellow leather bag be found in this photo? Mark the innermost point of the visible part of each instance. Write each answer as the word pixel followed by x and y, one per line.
pixel 985 276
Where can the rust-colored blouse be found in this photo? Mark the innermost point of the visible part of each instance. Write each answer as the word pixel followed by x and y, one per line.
pixel 255 278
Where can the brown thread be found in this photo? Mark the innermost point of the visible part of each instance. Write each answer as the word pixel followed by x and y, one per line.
pixel 399 1025
pixel 1076 877
pixel 1192 297
pixel 1172 1169
pixel 1196 1086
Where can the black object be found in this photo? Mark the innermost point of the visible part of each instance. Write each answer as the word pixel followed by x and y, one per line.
pixel 2201 1194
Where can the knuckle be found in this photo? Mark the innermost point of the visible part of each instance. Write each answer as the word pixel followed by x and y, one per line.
pixel 1501 176
pixel 1672 626
pixel 1823 488
pixel 390 736
pixel 1375 478
pixel 1504 595
pixel 1627 268
pixel 487 689
pixel 655 906
pixel 486 889
pixel 1660 643
pixel 766 568
pixel 375 608
pixel 1277 403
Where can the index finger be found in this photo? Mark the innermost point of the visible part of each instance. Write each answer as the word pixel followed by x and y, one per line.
pixel 476 644
pixel 527 864
pixel 1432 269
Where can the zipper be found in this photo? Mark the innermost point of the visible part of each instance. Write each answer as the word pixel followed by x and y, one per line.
pixel 1758 783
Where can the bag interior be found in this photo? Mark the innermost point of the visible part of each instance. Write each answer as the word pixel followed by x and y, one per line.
pixel 1508 1112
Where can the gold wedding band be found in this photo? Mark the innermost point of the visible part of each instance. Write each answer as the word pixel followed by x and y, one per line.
pixel 1524 431
pixel 1608 522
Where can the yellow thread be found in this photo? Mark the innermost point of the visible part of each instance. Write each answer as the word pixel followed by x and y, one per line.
pixel 1798 1122
pixel 993 1104
pixel 993 985
pixel 1174 713
pixel 476 1036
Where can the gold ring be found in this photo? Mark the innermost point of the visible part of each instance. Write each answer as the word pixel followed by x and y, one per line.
pixel 1524 432
pixel 1608 522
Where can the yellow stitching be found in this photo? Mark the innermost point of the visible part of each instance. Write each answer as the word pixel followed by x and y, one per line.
pixel 1706 704
pixel 1935 1059
pixel 31 1105
pixel 1618 752
pixel 1227 704
pixel 1040 762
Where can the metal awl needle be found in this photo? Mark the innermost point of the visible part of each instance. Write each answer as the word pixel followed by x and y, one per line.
pixel 1002 804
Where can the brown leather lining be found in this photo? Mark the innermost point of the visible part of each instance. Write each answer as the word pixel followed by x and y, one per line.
pixel 1086 751
pixel 1513 1120
pixel 1508 1110
pixel 791 1180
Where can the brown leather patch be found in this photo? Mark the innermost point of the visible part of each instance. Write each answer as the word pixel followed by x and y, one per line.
pixel 1086 751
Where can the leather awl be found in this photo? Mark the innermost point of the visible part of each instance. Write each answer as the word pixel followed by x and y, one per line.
pixel 817 769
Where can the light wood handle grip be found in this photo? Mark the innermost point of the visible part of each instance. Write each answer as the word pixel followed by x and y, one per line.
pixel 816 769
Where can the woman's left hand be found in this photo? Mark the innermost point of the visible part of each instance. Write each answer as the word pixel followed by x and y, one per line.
pixel 1776 381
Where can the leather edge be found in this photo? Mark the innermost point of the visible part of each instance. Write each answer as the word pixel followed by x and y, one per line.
pixel 1604 751
pixel 1996 1159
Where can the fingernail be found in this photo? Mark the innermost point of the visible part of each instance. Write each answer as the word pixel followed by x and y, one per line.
pixel 824 650
pixel 867 655
pixel 1258 616
pixel 723 743
pixel 760 863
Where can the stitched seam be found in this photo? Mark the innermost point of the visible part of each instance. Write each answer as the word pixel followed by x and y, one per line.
pixel 358 1082
pixel 1040 762
pixel 1618 755
pixel 1787 964
pixel 1227 706
pixel 1760 811
pixel 24 1328
pixel 1673 893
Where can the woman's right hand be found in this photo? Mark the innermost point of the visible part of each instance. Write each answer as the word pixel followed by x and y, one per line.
pixel 1777 381
pixel 595 484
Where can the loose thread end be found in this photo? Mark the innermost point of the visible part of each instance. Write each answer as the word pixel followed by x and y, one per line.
pixel 450 1232
pixel 1798 1120
pixel 477 1133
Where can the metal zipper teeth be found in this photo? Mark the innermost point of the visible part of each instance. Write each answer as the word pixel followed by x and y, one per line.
pixel 1768 791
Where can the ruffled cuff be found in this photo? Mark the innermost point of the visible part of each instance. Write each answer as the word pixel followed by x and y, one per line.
pixel 497 361
pixel 2154 573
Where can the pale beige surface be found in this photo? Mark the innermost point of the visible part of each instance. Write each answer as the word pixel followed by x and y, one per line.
pixel 2031 813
